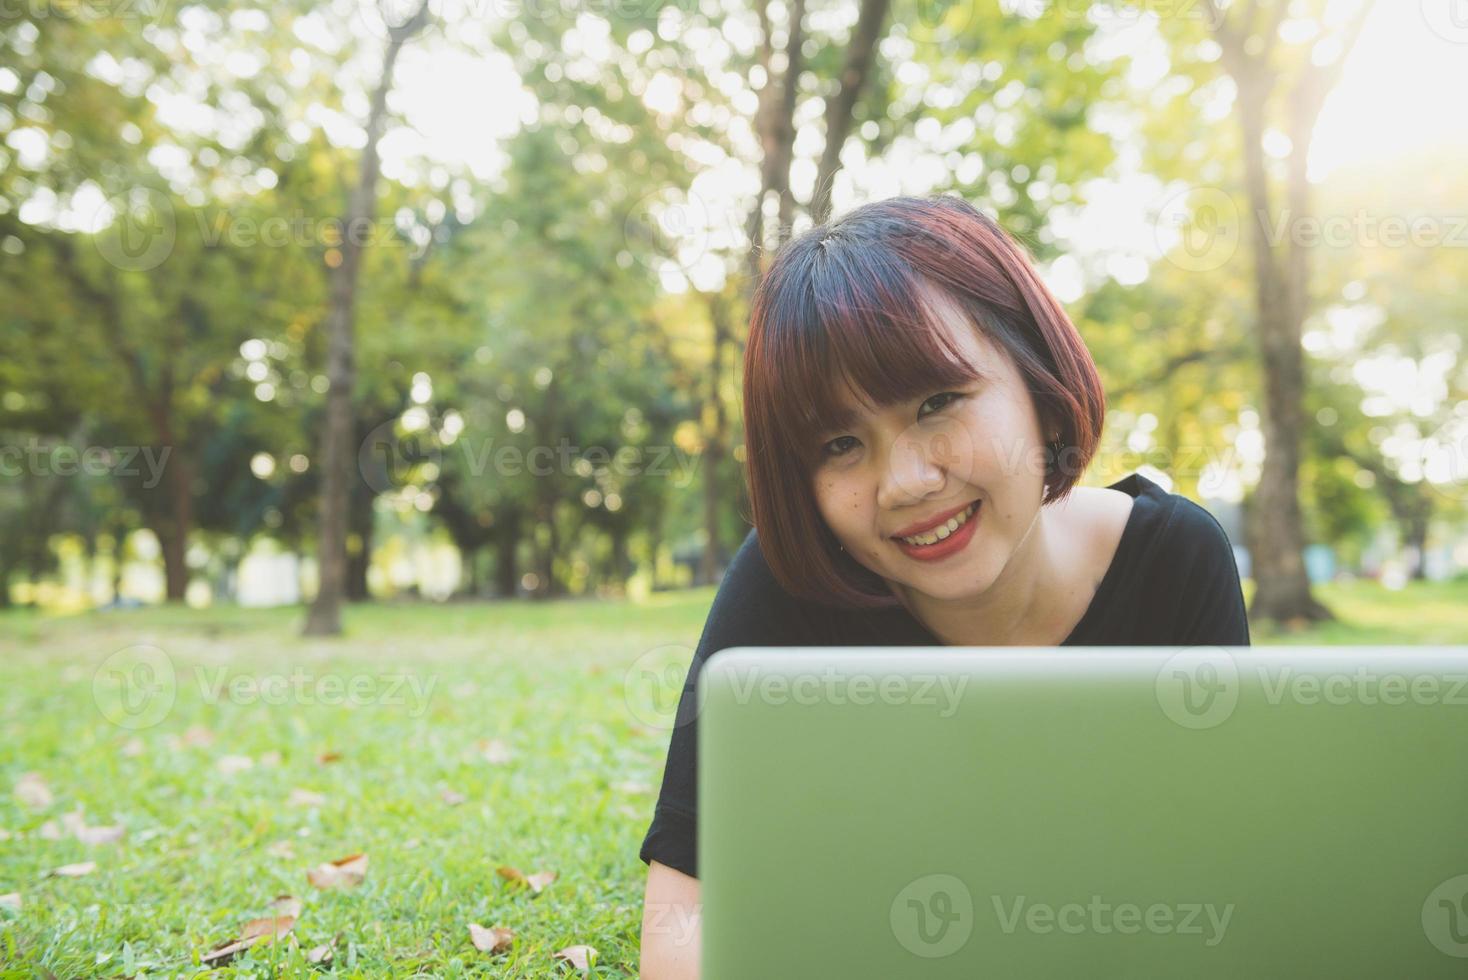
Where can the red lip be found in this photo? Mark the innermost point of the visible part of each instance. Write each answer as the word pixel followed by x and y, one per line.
pixel 933 522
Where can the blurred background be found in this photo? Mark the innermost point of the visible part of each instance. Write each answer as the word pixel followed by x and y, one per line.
pixel 308 304
pixel 370 443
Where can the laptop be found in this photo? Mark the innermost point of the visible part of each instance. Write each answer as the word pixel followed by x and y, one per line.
pixel 1031 812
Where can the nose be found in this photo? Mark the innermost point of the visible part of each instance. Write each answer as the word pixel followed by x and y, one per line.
pixel 916 468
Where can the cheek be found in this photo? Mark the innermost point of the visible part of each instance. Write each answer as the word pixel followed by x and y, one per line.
pixel 841 505
pixel 996 438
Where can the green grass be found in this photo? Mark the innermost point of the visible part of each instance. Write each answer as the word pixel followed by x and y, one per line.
pixel 1367 613
pixel 202 853
pixel 197 861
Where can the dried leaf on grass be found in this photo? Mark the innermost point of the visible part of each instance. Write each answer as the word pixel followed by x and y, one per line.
pixel 324 952
pixel 305 797
pixel 347 872
pixel 495 939
pixel 580 956
pixel 75 824
pixel 73 870
pixel 536 881
pixel 632 787
pixel 31 790
pixel 496 751
pixel 195 735
pixel 285 910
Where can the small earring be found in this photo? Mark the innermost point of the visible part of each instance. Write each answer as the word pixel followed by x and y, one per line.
pixel 1053 449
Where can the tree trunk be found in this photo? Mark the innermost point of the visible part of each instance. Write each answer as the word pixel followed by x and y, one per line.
pixel 506 573
pixel 229 579
pixel 784 133
pixel 469 564
pixel 859 53
pixel 119 553
pixel 621 567
pixel 715 440
pixel 359 560
pixel 774 125
pixel 1417 541
pixel 1281 301
pixel 337 452
pixel 172 526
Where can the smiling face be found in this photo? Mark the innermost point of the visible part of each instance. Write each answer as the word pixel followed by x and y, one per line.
pixel 904 465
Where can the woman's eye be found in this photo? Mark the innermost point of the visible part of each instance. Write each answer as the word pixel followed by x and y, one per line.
pixel 943 398
pixel 828 449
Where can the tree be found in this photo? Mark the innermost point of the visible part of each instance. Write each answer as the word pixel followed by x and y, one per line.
pixel 337 446
pixel 1281 281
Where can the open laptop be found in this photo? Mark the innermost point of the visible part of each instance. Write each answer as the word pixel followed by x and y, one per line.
pixel 1030 812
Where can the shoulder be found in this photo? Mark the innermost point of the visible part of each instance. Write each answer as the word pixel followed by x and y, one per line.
pixel 1182 538
pixel 751 608
pixel 749 578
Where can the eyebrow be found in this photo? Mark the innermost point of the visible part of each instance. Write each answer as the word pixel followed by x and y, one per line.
pixel 844 415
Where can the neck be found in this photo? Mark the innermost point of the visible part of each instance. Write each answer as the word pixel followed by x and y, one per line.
pixel 1009 611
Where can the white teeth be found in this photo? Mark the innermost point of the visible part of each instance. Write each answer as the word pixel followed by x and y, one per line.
pixel 943 530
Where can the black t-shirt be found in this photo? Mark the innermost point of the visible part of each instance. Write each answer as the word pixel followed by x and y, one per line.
pixel 1173 581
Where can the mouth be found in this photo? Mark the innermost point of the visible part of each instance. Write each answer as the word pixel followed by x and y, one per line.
pixel 945 539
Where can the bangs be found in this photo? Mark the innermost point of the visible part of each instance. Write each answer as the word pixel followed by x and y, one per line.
pixel 867 328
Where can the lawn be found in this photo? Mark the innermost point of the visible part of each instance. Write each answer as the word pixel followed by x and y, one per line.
pixel 518 747
pixel 442 741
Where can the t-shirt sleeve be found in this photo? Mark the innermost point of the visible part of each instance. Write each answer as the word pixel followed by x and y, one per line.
pixel 749 609
pixel 1211 610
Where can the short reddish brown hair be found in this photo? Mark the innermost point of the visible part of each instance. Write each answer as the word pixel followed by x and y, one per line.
pixel 847 303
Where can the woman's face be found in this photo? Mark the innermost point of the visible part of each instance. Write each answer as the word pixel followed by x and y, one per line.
pixel 910 463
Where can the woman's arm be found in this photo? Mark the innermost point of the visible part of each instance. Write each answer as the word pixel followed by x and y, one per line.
pixel 671 927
